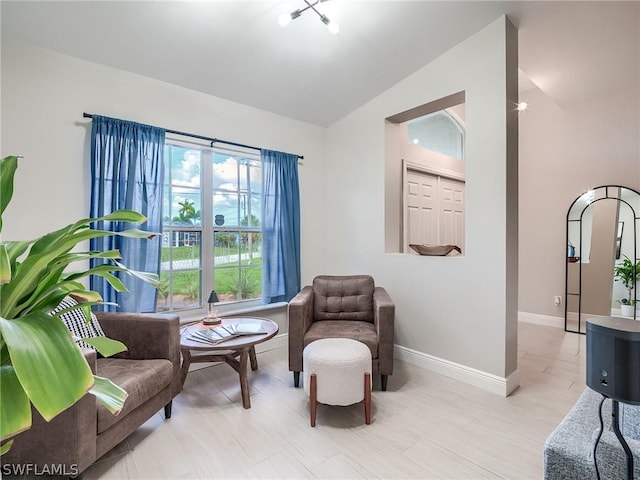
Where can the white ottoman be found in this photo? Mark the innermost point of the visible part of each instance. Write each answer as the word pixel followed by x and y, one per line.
pixel 337 371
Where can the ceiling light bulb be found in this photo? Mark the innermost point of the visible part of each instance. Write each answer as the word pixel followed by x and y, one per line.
pixel 522 106
pixel 416 141
pixel 332 26
pixel 284 20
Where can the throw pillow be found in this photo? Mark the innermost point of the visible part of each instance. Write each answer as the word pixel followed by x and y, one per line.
pixel 76 322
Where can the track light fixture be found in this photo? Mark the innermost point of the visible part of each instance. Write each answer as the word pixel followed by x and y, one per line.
pixel 286 19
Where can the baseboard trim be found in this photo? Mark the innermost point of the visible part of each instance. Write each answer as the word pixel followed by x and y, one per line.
pixel 487 381
pixel 538 319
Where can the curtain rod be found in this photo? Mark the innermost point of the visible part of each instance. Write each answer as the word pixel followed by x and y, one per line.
pixel 193 135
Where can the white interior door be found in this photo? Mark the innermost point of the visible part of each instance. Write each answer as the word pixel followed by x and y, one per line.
pixel 434 209
pixel 451 210
pixel 422 209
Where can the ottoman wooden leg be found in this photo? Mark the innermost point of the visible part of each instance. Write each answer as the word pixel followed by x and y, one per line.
pixel 367 398
pixel 313 399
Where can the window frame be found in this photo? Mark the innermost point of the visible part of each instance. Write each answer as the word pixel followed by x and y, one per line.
pixel 207 227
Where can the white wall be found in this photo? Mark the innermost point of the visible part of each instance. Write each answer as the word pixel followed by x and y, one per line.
pixel 458 312
pixel 563 153
pixel 43 97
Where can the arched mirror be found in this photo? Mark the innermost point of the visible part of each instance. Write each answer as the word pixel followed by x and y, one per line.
pixel 602 256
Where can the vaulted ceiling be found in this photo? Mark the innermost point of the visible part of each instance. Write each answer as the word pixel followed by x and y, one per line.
pixel 237 51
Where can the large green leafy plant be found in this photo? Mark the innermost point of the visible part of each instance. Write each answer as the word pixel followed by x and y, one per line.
pixel 40 363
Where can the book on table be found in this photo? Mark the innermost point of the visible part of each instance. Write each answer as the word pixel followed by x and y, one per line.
pixel 222 333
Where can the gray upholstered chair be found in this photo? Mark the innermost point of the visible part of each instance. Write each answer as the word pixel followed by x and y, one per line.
pixel 344 307
pixel 149 371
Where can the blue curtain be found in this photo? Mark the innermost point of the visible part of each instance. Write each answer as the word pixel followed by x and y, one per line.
pixel 280 226
pixel 127 171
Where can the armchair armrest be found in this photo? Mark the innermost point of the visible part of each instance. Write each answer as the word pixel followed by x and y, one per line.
pixel 91 357
pixel 384 312
pixel 68 440
pixel 147 336
pixel 300 315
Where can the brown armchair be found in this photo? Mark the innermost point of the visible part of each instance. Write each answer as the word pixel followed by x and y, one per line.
pixel 343 306
pixel 150 373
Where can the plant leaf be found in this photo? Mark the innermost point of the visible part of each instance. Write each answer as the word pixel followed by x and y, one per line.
pixel 109 394
pixel 5 447
pixel 150 278
pixel 4 354
pixel 15 250
pixel 5 265
pixel 8 166
pixel 114 281
pixel 122 215
pixel 46 250
pixel 50 367
pixel 86 296
pixel 104 270
pixel 15 408
pixel 106 346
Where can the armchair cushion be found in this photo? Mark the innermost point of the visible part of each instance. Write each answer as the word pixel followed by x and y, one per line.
pixel 361 331
pixel 343 298
pixel 141 379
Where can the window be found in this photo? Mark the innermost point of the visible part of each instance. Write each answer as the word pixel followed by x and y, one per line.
pixel 212 233
pixel 438 131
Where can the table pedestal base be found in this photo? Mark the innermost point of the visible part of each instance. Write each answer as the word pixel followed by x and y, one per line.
pixel 237 359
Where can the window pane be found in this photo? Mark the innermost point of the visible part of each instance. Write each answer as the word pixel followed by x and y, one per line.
pixel 250 247
pixel 225 172
pixel 255 174
pixel 225 208
pixel 184 208
pixel 226 282
pixel 251 282
pixel 163 292
pixel 233 284
pixel 226 247
pixel 182 196
pixel 180 270
pixel 238 265
pixel 256 210
pixel 438 132
pixel 186 289
pixel 184 167
pixel 225 190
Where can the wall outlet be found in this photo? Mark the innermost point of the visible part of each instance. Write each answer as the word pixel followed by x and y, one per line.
pixel 557 300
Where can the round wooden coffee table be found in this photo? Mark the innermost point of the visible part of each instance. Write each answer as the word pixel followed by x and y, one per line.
pixel 236 352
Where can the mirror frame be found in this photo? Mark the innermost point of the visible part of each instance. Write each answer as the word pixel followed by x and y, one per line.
pixel 581 203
